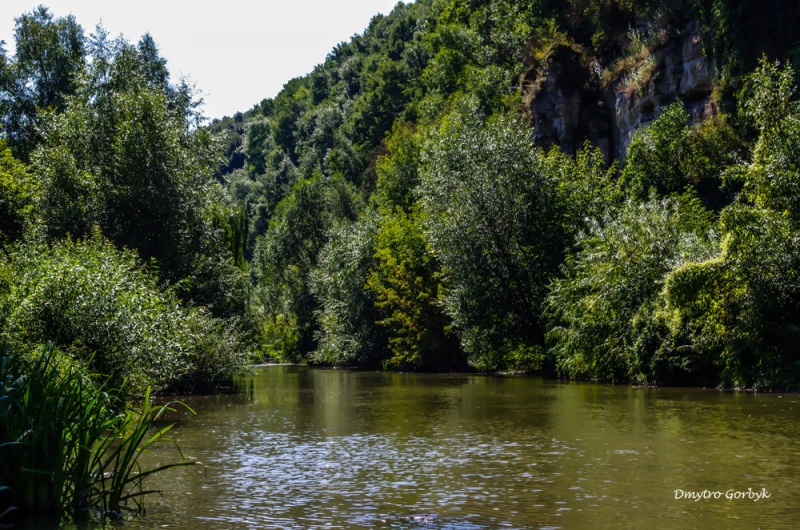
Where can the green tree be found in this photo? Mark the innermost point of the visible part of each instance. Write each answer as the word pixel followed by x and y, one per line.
pixel 493 220
pixel 18 193
pixel 604 310
pixel 398 170
pixel 405 284
pixel 50 57
pixel 738 309
pixel 654 156
pixel 349 334
pixel 124 155
pixel 287 254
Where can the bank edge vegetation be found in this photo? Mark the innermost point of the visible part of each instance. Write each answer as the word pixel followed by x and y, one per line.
pixel 388 210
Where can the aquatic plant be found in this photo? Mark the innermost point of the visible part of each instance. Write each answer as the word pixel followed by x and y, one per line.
pixel 67 443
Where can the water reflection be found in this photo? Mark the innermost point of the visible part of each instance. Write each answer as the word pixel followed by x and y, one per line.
pixel 305 448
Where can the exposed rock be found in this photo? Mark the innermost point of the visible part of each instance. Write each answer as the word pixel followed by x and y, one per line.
pixel 681 73
pixel 563 108
pixel 567 105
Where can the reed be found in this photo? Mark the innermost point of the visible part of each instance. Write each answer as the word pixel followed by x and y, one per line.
pixel 67 443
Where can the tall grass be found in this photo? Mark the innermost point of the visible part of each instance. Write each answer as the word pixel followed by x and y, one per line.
pixel 67 444
pixel 637 64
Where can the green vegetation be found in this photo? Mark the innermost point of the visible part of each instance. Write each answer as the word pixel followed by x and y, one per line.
pixel 67 445
pixel 395 209
pixel 122 260
pixel 400 215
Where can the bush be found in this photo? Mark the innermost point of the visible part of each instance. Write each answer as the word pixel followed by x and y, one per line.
pixel 95 302
pixel 604 311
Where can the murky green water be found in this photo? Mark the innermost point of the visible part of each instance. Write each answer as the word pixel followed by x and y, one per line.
pixel 306 448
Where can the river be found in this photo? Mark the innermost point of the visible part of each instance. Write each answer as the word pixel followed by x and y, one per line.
pixel 312 448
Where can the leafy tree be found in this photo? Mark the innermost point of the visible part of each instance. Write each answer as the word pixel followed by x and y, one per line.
pixel 259 145
pixel 124 155
pixel 737 310
pixel 290 103
pixel 405 283
pixel 349 334
pixel 604 309
pixel 493 221
pixel 287 254
pixel 587 187
pixel 50 57
pixel 669 157
pixel 654 156
pixel 773 178
pixel 18 192
pixel 398 170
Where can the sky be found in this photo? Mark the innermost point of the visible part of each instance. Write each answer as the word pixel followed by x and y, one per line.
pixel 237 52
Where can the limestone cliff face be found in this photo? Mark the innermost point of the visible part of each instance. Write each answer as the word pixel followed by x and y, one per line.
pixel 569 103
pixel 564 105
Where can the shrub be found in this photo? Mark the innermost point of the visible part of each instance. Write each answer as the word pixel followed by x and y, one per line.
pixel 98 303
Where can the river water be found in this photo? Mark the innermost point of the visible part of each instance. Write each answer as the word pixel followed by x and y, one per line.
pixel 311 448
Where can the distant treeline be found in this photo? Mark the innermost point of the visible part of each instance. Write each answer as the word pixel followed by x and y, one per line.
pixel 391 210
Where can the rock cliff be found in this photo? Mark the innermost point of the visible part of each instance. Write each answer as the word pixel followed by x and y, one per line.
pixel 570 98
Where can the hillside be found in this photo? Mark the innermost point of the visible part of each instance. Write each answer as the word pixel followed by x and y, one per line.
pixel 590 189
pixel 561 186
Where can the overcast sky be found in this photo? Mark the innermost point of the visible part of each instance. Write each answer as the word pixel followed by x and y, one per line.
pixel 237 52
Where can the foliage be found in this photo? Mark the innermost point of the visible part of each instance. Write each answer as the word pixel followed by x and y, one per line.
pixel 604 309
pixel 772 178
pixel 405 283
pixel 50 56
pixel 492 219
pixel 154 184
pixel 737 310
pixel 66 444
pixel 394 210
pixel 587 187
pixel 669 157
pixel 286 256
pixel 655 154
pixel 347 311
pixel 18 192
pixel 398 169
pixel 99 304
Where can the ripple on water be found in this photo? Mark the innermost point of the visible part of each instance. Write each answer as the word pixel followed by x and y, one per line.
pixel 390 451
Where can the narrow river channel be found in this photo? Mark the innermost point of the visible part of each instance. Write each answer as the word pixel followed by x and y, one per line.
pixel 310 448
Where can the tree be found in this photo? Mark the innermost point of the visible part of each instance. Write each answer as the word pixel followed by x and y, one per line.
pixel 349 333
pixel 287 254
pixel 18 193
pixel 738 309
pixel 655 154
pixel 493 219
pixel 669 156
pixel 50 57
pixel 604 310
pixel 405 283
pixel 121 156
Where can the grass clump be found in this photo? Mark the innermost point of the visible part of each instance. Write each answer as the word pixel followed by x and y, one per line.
pixel 67 444
pixel 637 64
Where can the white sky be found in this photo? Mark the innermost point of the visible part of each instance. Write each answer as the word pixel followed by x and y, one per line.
pixel 237 52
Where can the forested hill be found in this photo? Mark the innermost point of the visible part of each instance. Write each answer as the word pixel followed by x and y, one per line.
pixel 600 189
pixel 586 188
